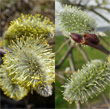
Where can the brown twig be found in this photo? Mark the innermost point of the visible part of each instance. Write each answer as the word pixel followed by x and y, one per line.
pixel 64 57
pixel 66 72
pixel 71 60
pixel 98 47
pixel 83 53
pixel 62 46
pixel 99 15
pixel 59 80
pixel 60 76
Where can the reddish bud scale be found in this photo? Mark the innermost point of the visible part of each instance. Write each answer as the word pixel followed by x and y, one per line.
pixel 76 37
pixel 91 38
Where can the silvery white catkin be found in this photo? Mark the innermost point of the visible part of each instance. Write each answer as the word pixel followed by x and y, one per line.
pixel 74 20
pixel 91 80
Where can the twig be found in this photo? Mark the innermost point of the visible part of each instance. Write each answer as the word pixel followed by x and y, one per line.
pixel 60 76
pixel 64 57
pixel 83 53
pixel 59 80
pixel 71 60
pixel 99 15
pixel 65 72
pixel 98 47
pixel 62 46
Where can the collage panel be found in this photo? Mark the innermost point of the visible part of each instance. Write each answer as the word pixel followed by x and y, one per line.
pixel 27 58
pixel 82 48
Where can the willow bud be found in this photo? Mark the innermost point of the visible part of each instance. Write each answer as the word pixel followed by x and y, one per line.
pixel 91 38
pixel 76 37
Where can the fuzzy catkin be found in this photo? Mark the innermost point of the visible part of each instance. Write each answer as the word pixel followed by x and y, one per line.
pixel 73 20
pixel 28 25
pixel 91 80
pixel 11 89
pixel 30 63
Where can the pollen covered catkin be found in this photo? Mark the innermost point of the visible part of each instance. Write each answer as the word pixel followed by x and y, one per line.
pixel 10 88
pixel 30 63
pixel 91 80
pixel 28 25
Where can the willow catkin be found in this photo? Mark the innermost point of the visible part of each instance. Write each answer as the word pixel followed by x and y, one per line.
pixel 30 63
pixel 73 20
pixel 10 88
pixel 28 25
pixel 91 80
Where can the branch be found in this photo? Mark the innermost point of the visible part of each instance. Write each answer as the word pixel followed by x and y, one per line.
pixel 59 80
pixel 64 57
pixel 83 53
pixel 103 8
pixel 65 72
pixel 71 60
pixel 100 15
pixel 98 47
pixel 62 46
pixel 60 76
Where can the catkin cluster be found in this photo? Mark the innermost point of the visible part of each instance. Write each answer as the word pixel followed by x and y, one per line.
pixel 91 80
pixel 27 25
pixel 29 62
